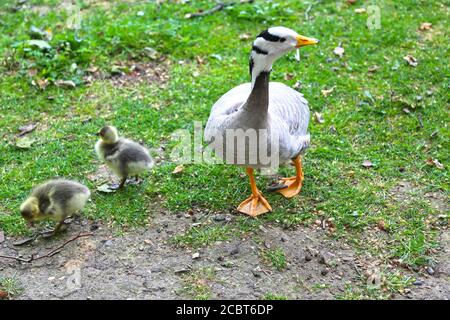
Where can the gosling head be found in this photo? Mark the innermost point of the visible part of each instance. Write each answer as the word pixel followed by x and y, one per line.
pixel 30 209
pixel 271 44
pixel 108 134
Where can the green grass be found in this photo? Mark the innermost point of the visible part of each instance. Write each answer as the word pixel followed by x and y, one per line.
pixel 202 236
pixel 274 257
pixel 271 296
pixel 10 286
pixel 196 285
pixel 365 109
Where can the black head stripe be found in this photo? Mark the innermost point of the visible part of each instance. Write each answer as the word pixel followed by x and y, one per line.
pixel 251 64
pixel 259 50
pixel 266 35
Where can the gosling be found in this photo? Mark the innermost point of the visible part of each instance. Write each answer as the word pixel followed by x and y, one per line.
pixel 124 157
pixel 55 200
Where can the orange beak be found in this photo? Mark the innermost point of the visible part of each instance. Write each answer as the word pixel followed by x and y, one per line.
pixel 305 41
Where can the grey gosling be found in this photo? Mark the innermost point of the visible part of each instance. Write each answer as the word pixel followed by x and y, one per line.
pixel 56 200
pixel 124 157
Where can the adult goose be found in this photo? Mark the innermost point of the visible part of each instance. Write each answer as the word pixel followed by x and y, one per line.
pixel 277 114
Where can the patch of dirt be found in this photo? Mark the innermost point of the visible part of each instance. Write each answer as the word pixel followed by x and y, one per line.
pixel 406 190
pixel 129 73
pixel 436 285
pixel 434 281
pixel 144 264
pixel 103 175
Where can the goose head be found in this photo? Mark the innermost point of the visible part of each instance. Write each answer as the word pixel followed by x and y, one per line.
pixel 271 44
pixel 108 134
pixel 30 209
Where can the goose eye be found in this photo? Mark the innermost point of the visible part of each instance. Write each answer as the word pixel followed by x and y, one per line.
pixel 282 39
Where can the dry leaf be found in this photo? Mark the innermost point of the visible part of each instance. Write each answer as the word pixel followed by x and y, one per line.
pixel 178 169
pixel 92 69
pixel 411 60
pixel 23 130
pixel 42 83
pixel 326 92
pixel 374 69
pixel 3 294
pixel 65 83
pixel 339 51
pixel 367 164
pixel 360 10
pixel 151 53
pixel 318 117
pixel 425 26
pixel 24 142
pixel 25 241
pixel 382 225
pixel 32 72
pixel 435 162
pixel 105 188
pixel 40 44
pixel 200 60
pixel 245 36
pixel 374 278
pixel 351 1
pixel 288 76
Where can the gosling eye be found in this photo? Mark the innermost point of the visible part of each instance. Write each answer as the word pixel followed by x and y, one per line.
pixel 282 39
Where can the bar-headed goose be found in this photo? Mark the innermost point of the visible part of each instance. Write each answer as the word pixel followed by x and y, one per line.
pixel 56 200
pixel 278 114
pixel 125 157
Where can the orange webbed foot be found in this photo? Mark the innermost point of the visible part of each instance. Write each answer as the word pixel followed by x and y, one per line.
pixel 293 187
pixel 254 205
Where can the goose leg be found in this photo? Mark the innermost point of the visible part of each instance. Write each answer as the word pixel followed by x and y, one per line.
pixel 294 184
pixel 122 182
pixel 256 204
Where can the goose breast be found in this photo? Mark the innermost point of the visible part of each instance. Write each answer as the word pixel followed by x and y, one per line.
pixel 287 115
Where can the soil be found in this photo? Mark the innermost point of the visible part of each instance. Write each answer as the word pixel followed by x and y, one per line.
pixel 145 264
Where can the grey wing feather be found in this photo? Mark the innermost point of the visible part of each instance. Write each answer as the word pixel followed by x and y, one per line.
pixel 290 106
pixel 59 191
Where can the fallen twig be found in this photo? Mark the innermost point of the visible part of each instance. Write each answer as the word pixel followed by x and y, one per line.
pixel 356 269
pixel 219 6
pixel 50 253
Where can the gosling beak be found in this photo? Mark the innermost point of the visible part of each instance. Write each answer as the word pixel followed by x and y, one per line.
pixel 305 41
pixel 98 134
